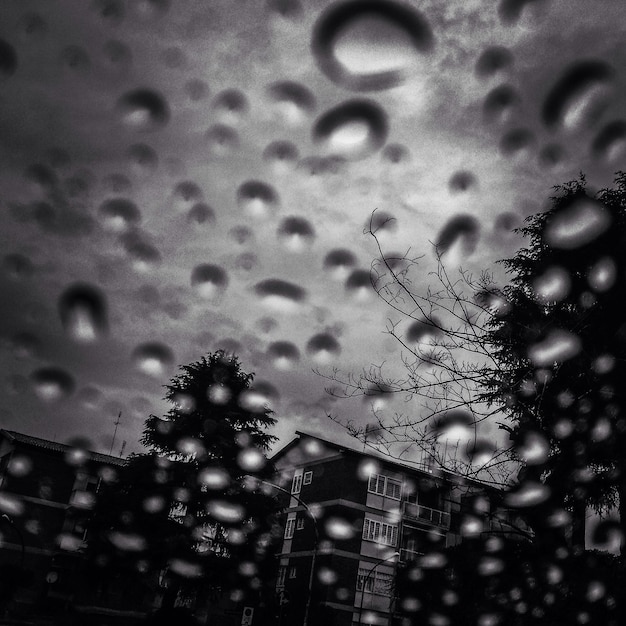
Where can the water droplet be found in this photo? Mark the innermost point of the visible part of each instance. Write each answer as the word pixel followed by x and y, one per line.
pixel 11 505
pixel 533 449
pixel 25 345
pixel 481 452
pixel 424 332
pixel 354 129
pixel 246 261
pixel 221 140
pixel 365 45
pixel 454 425
pixel 114 183
pixel 241 234
pixel 186 194
pixel 610 142
pixel 296 233
pixel 579 96
pixel 281 155
pixel 32 27
pixel 291 9
pixel 577 224
pixel 359 285
pixel 225 511
pixel 257 199
pixel 323 348
pixel 463 230
pixel 552 155
pixel 19 465
pixel 150 9
pixel 293 101
pixel 153 358
pixel 83 312
pixel 174 58
pixel 143 109
pixel 75 59
pixel 251 460
pixel 528 494
pixel 284 355
pixel 259 397
pixel 517 142
pixel 381 223
pixel 339 528
pixel 119 215
pixel 8 59
pixel 111 11
pixel 128 542
pixel 280 295
pixel 143 158
pixel 434 560
pixel 499 103
pixel 201 214
pixel 52 384
pixel 143 255
pixel 196 89
pixel 339 262
pixel 462 180
pixel 490 565
pixel 492 60
pixel 231 105
pixel 41 177
pixel 553 285
pixel 602 274
pixel 396 153
pixel 209 281
pixel 17 266
pixel 117 56
pixel 558 346
pixel 191 447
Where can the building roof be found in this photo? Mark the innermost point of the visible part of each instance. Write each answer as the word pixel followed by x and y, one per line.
pixel 386 460
pixel 37 442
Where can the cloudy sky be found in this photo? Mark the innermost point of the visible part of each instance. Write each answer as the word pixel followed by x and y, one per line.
pixel 179 176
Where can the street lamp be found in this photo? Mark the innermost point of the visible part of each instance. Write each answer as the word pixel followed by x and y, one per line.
pixel 315 546
pixel 391 556
pixel 18 532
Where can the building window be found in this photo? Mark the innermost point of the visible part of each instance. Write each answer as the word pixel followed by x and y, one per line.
pixel 282 572
pixel 300 523
pixel 384 486
pixel 374 581
pixel 296 486
pixel 380 532
pixel 308 478
pixel 289 528
pixel 293 572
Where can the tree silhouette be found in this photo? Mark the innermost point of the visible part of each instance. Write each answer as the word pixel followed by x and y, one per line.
pixel 191 512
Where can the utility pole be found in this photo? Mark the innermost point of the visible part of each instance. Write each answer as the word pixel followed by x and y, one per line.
pixel 117 423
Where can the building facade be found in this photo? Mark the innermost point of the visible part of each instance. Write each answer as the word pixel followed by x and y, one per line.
pixel 47 492
pixel 359 518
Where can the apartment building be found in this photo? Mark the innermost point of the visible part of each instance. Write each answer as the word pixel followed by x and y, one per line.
pixel 357 518
pixel 47 492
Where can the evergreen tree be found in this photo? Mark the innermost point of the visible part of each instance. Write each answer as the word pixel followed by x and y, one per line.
pixel 192 511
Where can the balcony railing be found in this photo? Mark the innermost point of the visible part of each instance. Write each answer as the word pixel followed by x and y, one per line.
pixel 426 514
pixel 407 555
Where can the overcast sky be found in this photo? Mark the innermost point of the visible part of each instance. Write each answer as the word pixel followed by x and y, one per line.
pixel 190 170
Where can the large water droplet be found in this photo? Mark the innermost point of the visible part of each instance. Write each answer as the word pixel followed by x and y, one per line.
pixel 281 155
pixel 186 194
pixel 577 224
pixel 209 281
pixel 52 384
pixel 221 139
pixel 225 511
pixel 280 294
pixel 359 285
pixel 127 542
pixel 579 96
pixel 143 109
pixel 602 274
pixel 534 448
pixel 293 100
pixel 454 425
pixel 259 397
pixel 528 494
pixel 461 229
pixel 353 129
pixel 83 312
pixel 553 285
pixel 499 103
pixel 153 358
pixel 231 105
pixel 369 45
pixel 558 346
pixel 610 142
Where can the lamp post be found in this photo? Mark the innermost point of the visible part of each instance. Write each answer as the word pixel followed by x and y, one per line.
pixel 391 556
pixel 18 532
pixel 315 545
